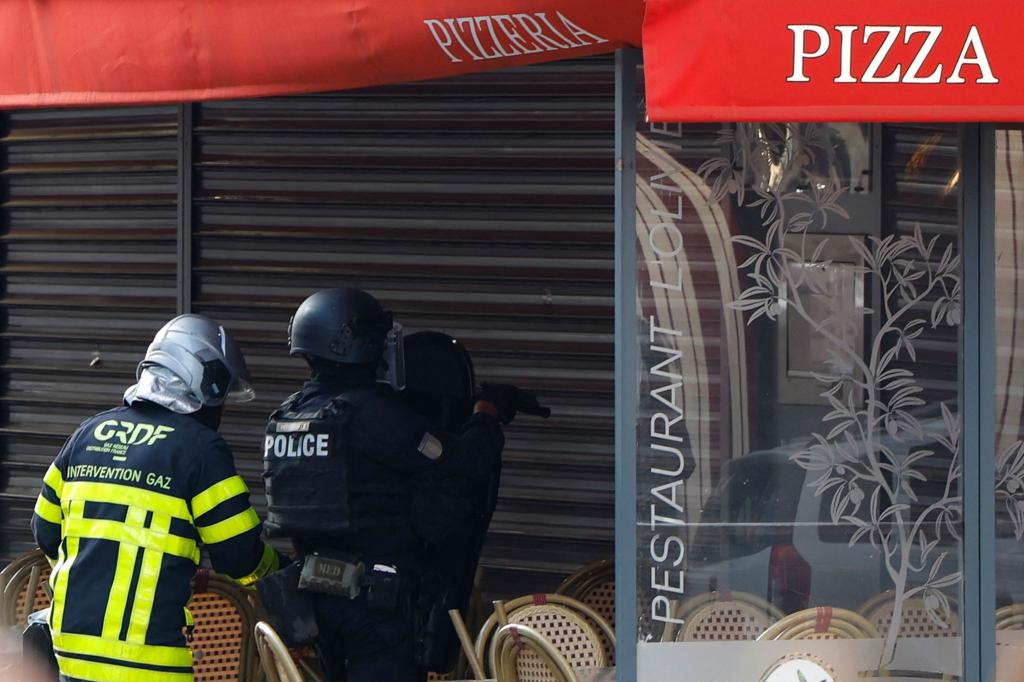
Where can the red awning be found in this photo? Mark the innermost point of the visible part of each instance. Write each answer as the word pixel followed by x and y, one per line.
pixel 814 60
pixel 77 52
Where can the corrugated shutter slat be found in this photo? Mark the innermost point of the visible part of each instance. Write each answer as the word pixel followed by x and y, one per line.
pixel 88 272
pixel 480 206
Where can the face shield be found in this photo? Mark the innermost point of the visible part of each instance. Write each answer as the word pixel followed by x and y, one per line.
pixel 240 391
pixel 391 370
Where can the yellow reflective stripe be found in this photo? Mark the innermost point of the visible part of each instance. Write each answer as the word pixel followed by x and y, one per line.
pixel 117 602
pixel 145 654
pixel 54 479
pixel 232 486
pixel 145 592
pixel 48 511
pixel 103 529
pixel 114 493
pixel 108 672
pixel 229 527
pixel 59 582
pixel 269 563
pixel 188 618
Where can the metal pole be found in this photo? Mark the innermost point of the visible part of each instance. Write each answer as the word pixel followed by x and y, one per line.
pixel 184 283
pixel 626 363
pixel 978 403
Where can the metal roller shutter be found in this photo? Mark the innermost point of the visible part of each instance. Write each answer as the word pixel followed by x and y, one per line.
pixel 481 206
pixel 88 271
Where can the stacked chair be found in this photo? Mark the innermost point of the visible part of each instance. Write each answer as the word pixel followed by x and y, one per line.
pixel 916 621
pixel 522 654
pixel 722 616
pixel 277 661
pixel 223 646
pixel 25 588
pixel 594 586
pixel 547 637
pixel 570 626
pixel 822 622
pixel 1010 617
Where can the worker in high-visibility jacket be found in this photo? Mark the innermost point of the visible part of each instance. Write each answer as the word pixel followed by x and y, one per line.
pixel 130 499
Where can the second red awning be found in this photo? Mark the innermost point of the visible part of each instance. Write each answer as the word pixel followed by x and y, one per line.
pixel 808 60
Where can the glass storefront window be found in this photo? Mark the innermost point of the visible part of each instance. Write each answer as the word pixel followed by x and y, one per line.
pixel 1009 400
pixel 799 458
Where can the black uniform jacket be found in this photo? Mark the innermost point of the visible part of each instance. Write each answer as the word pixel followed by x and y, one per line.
pixel 392 448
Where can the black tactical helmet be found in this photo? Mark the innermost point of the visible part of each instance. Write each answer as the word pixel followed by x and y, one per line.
pixel 439 379
pixel 346 326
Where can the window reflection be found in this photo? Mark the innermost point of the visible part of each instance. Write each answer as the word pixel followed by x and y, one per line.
pixel 799 434
pixel 1009 400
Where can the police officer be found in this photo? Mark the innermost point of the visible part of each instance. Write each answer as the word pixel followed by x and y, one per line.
pixel 451 512
pixel 130 498
pixel 341 461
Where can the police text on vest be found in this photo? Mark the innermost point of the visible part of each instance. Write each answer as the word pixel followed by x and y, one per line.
pixel 297 445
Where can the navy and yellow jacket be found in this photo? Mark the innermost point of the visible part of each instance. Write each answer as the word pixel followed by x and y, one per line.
pixel 123 511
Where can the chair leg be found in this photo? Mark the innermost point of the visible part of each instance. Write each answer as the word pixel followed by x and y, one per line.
pixel 467 644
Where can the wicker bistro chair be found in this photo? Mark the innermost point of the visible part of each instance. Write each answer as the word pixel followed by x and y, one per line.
pixel 224 621
pixel 1010 617
pixel 521 654
pixel 26 589
pixel 33 556
pixel 547 613
pixel 277 662
pixel 594 586
pixel 823 622
pixel 723 616
pixel 916 620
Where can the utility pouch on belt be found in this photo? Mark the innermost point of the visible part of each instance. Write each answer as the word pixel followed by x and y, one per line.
pixel 289 609
pixel 383 588
pixel 335 575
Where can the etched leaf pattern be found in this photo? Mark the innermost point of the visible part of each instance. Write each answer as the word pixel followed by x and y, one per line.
pixel 1010 484
pixel 873 397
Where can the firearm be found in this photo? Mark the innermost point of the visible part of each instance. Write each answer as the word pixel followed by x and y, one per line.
pixel 511 400
pixel 528 403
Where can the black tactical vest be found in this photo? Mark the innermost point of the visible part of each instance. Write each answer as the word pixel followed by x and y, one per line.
pixel 306 460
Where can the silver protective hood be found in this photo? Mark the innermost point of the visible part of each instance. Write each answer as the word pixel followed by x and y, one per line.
pixel 162 386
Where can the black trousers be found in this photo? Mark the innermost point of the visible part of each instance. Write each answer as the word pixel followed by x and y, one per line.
pixel 359 644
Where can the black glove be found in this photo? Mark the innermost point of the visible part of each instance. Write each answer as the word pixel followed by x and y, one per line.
pixel 510 399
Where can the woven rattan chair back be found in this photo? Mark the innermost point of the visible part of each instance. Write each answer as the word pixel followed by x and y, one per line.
pixel 1010 617
pixel 222 639
pixel 569 633
pixel 603 630
pixel 916 619
pixel 724 616
pixel 277 662
pixel 594 585
pixel 523 655
pixel 26 590
pixel 823 622
pixel 33 556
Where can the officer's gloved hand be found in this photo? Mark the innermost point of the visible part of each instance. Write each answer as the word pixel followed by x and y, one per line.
pixel 508 400
pixel 503 397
